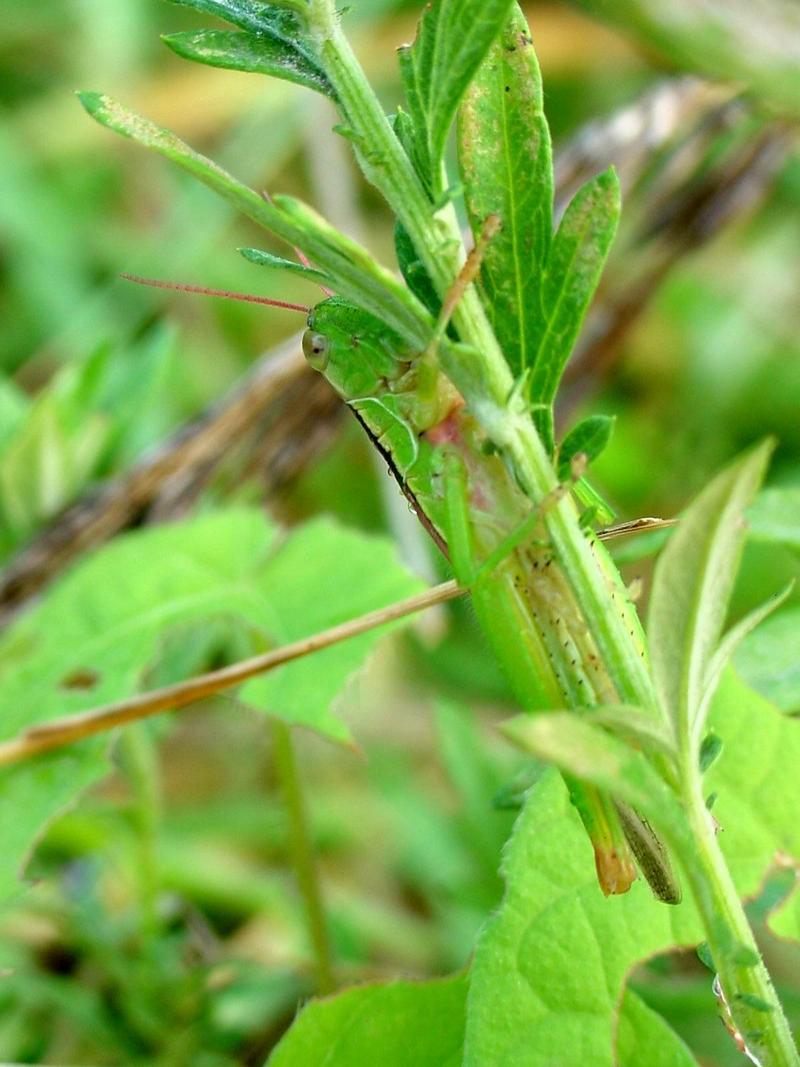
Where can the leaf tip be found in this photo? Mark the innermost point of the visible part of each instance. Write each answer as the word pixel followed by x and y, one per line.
pixel 90 101
pixel 763 450
pixel 609 182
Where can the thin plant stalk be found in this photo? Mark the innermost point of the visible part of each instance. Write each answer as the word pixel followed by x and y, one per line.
pixel 301 850
pixel 141 767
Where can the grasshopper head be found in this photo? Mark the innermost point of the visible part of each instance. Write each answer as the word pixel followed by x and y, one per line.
pixel 354 350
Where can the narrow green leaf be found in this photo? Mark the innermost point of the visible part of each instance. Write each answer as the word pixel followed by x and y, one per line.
pixel 768 660
pixel 574 266
pixel 590 436
pixel 253 15
pixel 632 724
pixel 593 501
pixel 267 259
pixel 691 587
pixel 506 166
pixel 127 123
pixel 355 274
pixel 452 38
pixel 252 54
pixel 345 259
pixel 402 1023
pixel 53 453
pixel 92 637
pixel 705 957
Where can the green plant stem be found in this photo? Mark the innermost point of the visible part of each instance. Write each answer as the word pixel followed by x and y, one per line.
pixel 139 760
pixel 302 853
pixel 730 938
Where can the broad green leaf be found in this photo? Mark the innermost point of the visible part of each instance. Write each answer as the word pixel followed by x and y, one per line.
pixel 354 273
pixel 267 259
pixel 590 436
pixel 423 1024
pixel 755 779
pixel 774 517
pixel 250 53
pixel 644 1037
pixel 452 38
pixel 785 920
pixel 691 587
pixel 506 166
pixel 398 1024
pixel 323 575
pixel 768 660
pixel 91 639
pixel 757 44
pixel 573 269
pixel 550 966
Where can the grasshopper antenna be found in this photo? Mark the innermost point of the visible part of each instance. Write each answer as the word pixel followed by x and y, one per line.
pixel 224 294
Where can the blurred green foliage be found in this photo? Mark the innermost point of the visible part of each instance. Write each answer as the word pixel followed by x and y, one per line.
pixel 165 927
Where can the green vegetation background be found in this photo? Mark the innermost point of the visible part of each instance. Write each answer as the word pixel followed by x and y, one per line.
pixel 165 927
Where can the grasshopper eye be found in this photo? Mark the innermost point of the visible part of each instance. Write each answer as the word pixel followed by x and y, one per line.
pixel 316 349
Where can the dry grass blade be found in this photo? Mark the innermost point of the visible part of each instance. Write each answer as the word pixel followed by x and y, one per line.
pixel 59 732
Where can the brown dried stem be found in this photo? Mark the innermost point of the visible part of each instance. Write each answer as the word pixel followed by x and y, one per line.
pixel 59 732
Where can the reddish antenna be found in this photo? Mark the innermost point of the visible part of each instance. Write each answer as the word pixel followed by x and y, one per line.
pixel 224 294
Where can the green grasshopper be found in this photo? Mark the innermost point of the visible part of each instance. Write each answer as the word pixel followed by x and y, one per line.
pixel 474 511
pixel 479 518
